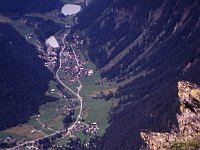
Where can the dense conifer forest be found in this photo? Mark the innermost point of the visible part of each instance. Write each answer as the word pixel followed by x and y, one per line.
pixel 146 47
pixel 27 6
pixel 24 79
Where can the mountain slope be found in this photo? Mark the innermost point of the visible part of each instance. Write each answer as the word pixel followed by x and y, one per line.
pixel 146 47
pixel 186 136
pixel 24 79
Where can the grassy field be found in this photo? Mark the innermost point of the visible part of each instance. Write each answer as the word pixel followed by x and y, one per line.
pixel 68 20
pixel 49 116
pixel 95 110
pixel 84 138
pixel 24 30
pixel 34 123
pixel 49 113
pixel 89 86
pixel 25 131
pixel 4 134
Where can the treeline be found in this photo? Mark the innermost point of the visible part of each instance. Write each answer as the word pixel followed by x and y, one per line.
pixel 24 79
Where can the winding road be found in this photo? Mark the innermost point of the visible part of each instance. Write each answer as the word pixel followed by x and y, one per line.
pixel 79 87
pixel 76 94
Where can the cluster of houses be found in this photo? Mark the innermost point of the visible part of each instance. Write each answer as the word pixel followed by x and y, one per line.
pixel 51 57
pixel 73 69
pixel 71 63
pixel 70 68
pixel 28 36
pixel 86 128
pixel 65 109
pixel 8 142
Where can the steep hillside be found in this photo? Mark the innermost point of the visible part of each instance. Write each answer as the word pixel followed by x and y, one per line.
pixel 24 79
pixel 186 136
pixel 146 47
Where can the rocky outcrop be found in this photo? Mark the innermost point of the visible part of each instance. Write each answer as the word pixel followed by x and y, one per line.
pixel 188 120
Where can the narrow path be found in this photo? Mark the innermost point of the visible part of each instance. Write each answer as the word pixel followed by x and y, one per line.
pixel 38 120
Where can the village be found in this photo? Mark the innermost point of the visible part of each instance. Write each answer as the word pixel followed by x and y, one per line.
pixel 64 60
pixel 71 70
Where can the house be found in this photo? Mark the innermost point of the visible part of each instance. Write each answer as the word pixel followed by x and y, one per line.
pixel 52 90
pixel 90 72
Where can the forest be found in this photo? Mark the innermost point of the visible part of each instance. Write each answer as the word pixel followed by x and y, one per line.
pixel 24 79
pixel 146 50
pixel 27 6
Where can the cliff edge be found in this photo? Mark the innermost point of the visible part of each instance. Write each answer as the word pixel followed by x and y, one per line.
pixel 187 135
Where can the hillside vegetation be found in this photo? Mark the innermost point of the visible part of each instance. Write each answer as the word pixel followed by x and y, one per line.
pixel 146 47
pixel 24 79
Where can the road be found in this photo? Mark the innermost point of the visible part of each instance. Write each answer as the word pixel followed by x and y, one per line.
pixel 78 88
pixel 76 94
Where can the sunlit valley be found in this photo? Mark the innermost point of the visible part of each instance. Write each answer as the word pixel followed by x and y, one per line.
pixel 99 75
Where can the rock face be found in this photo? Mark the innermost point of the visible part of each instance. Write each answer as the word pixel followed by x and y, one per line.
pixel 189 121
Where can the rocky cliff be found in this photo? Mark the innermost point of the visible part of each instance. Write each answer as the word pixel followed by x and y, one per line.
pixel 187 135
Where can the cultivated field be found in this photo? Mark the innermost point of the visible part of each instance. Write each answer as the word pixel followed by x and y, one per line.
pixel 26 131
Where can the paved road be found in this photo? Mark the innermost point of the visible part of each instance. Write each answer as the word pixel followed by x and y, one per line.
pixel 79 87
pixel 33 141
pixel 76 94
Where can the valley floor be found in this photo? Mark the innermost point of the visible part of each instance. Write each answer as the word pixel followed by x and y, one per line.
pixel 80 111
